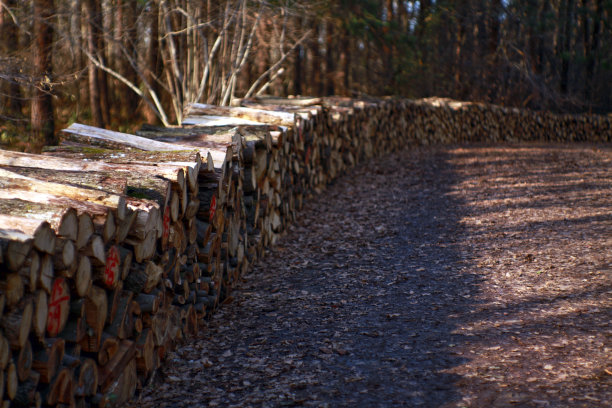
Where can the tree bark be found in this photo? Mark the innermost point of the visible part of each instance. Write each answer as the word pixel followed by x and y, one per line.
pixel 92 23
pixel 125 37
pixel 330 61
pixel 10 93
pixel 43 125
pixel 152 58
pixel 565 45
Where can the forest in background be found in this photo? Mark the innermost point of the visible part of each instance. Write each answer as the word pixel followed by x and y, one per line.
pixel 119 63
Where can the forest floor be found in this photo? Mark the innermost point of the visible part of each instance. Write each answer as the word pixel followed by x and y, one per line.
pixel 458 276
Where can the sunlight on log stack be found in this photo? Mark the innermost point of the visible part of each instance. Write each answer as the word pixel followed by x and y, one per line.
pixel 114 254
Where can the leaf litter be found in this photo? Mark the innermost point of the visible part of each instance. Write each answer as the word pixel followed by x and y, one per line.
pixel 457 276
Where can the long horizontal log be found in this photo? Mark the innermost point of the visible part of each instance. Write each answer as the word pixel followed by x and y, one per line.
pixel 16 181
pixel 18 234
pixel 213 140
pixel 103 137
pixel 256 115
pixel 97 212
pixel 61 218
pixel 164 164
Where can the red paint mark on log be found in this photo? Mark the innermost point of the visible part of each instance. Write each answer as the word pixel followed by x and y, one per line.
pixel 166 224
pixel 60 299
pixel 111 271
pixel 213 208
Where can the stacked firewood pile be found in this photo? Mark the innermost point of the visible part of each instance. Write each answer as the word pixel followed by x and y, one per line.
pixel 115 247
pixel 100 275
pixel 436 120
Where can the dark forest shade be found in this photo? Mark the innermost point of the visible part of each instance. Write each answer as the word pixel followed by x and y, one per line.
pixel 123 62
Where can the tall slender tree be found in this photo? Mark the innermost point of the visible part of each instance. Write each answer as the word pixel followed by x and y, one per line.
pixel 41 113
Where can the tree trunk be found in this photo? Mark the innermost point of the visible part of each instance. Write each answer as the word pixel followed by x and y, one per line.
pixel 330 62
pixel 297 80
pixel 125 33
pixel 592 51
pixel 152 58
pixel 102 76
pixel 43 125
pixel 565 45
pixel 10 92
pixel 89 13
pixel 316 83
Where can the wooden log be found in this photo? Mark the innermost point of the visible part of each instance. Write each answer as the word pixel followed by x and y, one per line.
pixel 12 381
pixel 145 350
pixel 16 324
pixel 59 307
pixel 27 394
pixel 19 234
pixel 190 325
pixel 148 215
pixel 110 274
pixel 256 115
pixel 5 352
pixel 12 287
pixel 24 361
pixel 83 276
pixel 115 367
pixel 47 360
pixel 124 227
pixel 132 324
pixel 143 277
pixel 75 331
pixel 124 387
pixel 132 164
pixel 148 303
pixel 61 219
pixel 18 182
pixel 118 326
pixel 143 249
pixel 280 103
pixel 46 274
pixel 41 312
pixel 107 138
pixel 220 121
pixel 86 378
pixel 29 271
pixel 85 231
pixel 102 216
pixel 109 345
pixel 110 182
pixel 61 389
pixel 96 310
pixel 65 254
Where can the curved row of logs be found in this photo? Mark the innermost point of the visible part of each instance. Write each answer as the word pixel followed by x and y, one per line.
pixel 115 247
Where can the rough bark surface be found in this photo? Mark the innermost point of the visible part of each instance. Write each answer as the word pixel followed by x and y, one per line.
pixel 472 276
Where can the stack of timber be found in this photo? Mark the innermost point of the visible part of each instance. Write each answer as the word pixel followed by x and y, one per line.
pixel 115 247
pixel 100 277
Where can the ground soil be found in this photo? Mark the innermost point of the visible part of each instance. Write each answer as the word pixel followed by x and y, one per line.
pixel 460 276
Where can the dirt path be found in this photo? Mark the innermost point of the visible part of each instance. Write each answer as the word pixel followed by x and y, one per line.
pixel 437 277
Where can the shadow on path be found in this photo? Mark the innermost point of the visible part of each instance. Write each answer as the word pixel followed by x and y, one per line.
pixel 391 291
pixel 354 307
pixel 414 273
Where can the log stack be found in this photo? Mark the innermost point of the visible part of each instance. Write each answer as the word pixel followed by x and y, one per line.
pixel 115 247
